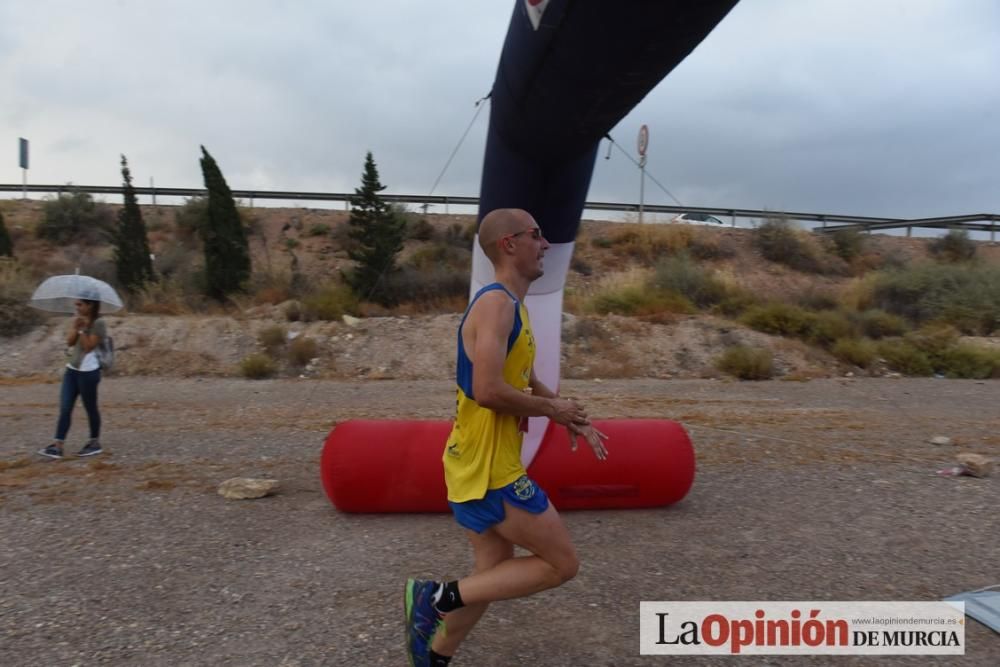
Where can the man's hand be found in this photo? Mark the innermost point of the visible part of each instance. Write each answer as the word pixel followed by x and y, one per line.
pixel 568 412
pixel 593 437
pixel 80 322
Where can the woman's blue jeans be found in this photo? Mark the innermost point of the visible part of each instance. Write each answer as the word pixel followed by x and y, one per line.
pixel 83 384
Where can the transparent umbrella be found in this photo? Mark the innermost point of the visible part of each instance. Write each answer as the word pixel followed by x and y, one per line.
pixel 58 294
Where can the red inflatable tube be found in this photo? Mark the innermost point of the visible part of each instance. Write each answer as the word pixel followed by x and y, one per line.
pixel 395 466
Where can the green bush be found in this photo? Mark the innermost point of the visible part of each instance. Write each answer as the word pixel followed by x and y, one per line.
pixel 780 319
pixel 779 242
pixel 681 275
pixel 902 356
pixel 966 360
pixel 848 244
pixel 965 295
pixel 877 324
pixel 830 326
pixel 329 303
pixel 75 217
pixel 189 219
pixel 955 246
pixel 746 363
pixel 258 366
pixel 302 350
pixel 635 300
pixel 857 351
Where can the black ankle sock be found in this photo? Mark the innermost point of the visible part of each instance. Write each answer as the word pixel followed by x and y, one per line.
pixel 448 598
pixel 435 660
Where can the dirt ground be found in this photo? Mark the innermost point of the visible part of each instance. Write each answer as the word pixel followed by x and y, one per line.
pixel 818 490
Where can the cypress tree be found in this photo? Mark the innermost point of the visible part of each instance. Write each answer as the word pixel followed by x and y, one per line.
pixel 378 233
pixel 132 258
pixel 227 255
pixel 6 245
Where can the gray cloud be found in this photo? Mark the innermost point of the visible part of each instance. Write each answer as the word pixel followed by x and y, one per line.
pixel 886 108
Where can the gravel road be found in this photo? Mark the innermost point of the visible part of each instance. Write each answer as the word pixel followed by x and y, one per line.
pixel 820 490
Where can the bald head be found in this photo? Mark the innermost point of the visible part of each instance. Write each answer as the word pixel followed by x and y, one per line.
pixel 499 223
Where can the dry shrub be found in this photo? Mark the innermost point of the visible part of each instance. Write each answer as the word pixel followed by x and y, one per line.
pixel 648 243
pixel 707 244
pixel 16 287
pixel 878 324
pixel 746 363
pixel 830 326
pixel 859 293
pixel 780 319
pixel 272 337
pixel 680 275
pixel 965 295
pixel 902 356
pixel 426 286
pixel 638 301
pixel 330 302
pixel 257 366
pixel 779 242
pixel 166 297
pixel 856 351
pixel 455 303
pixel 302 350
pixel 955 246
pixel 967 360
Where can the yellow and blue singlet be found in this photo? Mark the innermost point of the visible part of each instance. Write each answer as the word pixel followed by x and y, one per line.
pixel 484 448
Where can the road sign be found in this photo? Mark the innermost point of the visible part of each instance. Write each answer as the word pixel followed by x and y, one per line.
pixel 23 145
pixel 643 139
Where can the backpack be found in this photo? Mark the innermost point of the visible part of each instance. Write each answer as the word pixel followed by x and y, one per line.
pixel 106 353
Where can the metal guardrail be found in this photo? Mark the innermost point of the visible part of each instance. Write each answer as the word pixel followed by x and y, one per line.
pixel 976 222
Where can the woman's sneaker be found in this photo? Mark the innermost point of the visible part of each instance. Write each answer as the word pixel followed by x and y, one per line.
pixel 91 448
pixel 52 452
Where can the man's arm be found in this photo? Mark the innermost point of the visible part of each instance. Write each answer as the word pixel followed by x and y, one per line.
pixel 490 322
pixel 591 435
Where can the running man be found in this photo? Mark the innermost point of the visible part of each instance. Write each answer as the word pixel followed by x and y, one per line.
pixel 489 491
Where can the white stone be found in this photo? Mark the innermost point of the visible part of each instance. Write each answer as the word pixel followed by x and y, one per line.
pixel 940 440
pixel 242 488
pixel 976 465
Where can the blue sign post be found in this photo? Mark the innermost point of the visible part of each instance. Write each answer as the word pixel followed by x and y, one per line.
pixel 23 150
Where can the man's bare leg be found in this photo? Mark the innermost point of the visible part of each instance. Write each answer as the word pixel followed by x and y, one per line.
pixel 553 561
pixel 488 550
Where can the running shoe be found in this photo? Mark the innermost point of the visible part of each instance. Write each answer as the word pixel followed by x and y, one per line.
pixel 92 447
pixel 51 452
pixel 422 620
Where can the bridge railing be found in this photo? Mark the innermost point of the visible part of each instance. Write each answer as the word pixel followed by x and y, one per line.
pixel 826 222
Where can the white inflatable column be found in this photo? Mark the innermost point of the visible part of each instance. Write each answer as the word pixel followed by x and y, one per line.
pixel 544 302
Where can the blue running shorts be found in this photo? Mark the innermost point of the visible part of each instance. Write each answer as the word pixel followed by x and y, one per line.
pixel 480 515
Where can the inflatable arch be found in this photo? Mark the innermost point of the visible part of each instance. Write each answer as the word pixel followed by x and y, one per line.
pixel 569 71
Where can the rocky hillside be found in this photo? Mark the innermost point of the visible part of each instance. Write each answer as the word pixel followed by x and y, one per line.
pixel 296 251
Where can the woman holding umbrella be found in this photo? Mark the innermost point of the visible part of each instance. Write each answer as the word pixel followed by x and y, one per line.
pixel 86 334
pixel 83 374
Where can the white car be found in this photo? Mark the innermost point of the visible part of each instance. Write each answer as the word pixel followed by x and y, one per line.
pixel 697 219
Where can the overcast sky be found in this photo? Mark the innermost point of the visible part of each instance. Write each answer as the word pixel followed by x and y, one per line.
pixel 867 107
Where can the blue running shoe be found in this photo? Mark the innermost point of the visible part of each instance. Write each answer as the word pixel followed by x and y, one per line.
pixel 422 620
